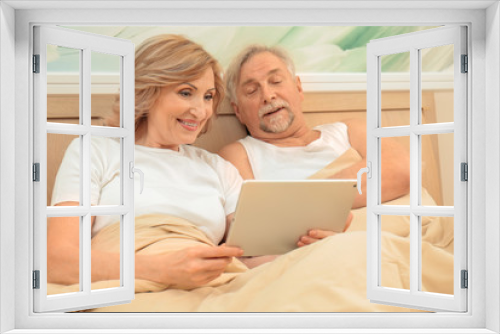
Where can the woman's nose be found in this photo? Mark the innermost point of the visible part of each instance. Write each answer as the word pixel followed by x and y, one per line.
pixel 199 109
pixel 198 112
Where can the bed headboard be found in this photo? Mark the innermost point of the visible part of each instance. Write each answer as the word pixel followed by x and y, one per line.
pixel 319 108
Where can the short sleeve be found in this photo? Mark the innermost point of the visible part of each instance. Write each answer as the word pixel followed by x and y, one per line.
pixel 344 134
pixel 231 182
pixel 67 183
pixel 336 135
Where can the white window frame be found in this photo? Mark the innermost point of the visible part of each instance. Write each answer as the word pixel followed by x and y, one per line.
pixel 124 50
pixel 484 104
pixel 413 44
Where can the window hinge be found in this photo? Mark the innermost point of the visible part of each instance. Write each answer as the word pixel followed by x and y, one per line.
pixel 465 64
pixel 36 172
pixel 464 172
pixel 36 279
pixel 36 63
pixel 465 279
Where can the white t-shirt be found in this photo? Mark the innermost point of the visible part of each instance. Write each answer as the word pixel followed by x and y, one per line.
pixel 270 162
pixel 193 183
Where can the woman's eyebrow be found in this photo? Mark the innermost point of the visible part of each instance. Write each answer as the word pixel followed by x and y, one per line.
pixel 190 84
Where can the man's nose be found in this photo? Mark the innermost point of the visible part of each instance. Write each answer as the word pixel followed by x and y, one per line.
pixel 268 94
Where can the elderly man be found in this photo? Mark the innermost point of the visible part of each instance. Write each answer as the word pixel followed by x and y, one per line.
pixel 266 97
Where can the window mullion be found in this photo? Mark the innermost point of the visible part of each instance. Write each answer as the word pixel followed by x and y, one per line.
pixel 85 243
pixel 434 129
pixel 414 171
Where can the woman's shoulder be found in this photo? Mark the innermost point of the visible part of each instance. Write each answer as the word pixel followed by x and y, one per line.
pixel 105 142
pixel 197 152
pixel 202 154
pixel 98 144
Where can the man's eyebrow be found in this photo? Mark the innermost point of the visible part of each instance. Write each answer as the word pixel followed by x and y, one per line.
pixel 273 71
pixel 246 82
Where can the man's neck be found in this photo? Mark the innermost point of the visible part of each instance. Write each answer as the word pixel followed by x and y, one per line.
pixel 301 137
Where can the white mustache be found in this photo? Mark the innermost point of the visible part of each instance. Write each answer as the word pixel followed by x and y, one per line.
pixel 275 104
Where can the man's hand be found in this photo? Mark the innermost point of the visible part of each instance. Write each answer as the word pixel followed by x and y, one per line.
pixel 316 235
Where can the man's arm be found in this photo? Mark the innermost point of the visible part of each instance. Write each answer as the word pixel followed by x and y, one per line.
pixel 395 164
pixel 236 154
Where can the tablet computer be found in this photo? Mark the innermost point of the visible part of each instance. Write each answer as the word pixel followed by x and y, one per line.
pixel 271 216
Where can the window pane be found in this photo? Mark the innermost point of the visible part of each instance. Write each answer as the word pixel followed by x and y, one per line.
pixel 63 84
pixel 108 228
pixel 391 187
pixel 395 252
pixel 105 188
pixel 437 254
pixel 62 266
pixel 437 169
pixel 63 190
pixel 437 84
pixel 105 84
pixel 395 89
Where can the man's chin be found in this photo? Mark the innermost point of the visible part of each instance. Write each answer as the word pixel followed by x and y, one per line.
pixel 275 129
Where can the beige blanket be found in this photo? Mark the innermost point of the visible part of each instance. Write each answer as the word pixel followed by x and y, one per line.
pixel 328 276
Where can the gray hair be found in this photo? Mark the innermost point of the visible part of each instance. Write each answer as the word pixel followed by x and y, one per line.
pixel 232 75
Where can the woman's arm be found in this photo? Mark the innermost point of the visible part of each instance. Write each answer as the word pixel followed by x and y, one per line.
pixel 187 268
pixel 63 252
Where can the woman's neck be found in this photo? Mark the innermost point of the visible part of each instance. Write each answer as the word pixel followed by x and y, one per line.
pixel 142 138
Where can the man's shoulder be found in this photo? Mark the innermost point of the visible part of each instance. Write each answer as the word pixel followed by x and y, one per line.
pixel 330 125
pixel 342 124
pixel 351 122
pixel 236 154
pixel 234 150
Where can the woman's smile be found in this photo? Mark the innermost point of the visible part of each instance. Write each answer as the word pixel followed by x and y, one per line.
pixel 188 124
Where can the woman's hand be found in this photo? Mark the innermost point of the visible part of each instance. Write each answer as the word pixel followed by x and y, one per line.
pixel 195 266
pixel 316 235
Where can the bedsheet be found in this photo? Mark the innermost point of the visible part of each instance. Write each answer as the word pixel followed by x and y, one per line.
pixel 328 276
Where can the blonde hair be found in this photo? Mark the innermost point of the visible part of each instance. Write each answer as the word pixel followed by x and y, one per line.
pixel 163 61
pixel 232 75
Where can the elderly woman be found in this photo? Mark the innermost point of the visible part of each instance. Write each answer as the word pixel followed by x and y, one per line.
pixel 178 87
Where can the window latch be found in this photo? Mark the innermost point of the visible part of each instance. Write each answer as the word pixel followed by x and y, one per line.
pixel 133 170
pixel 368 171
